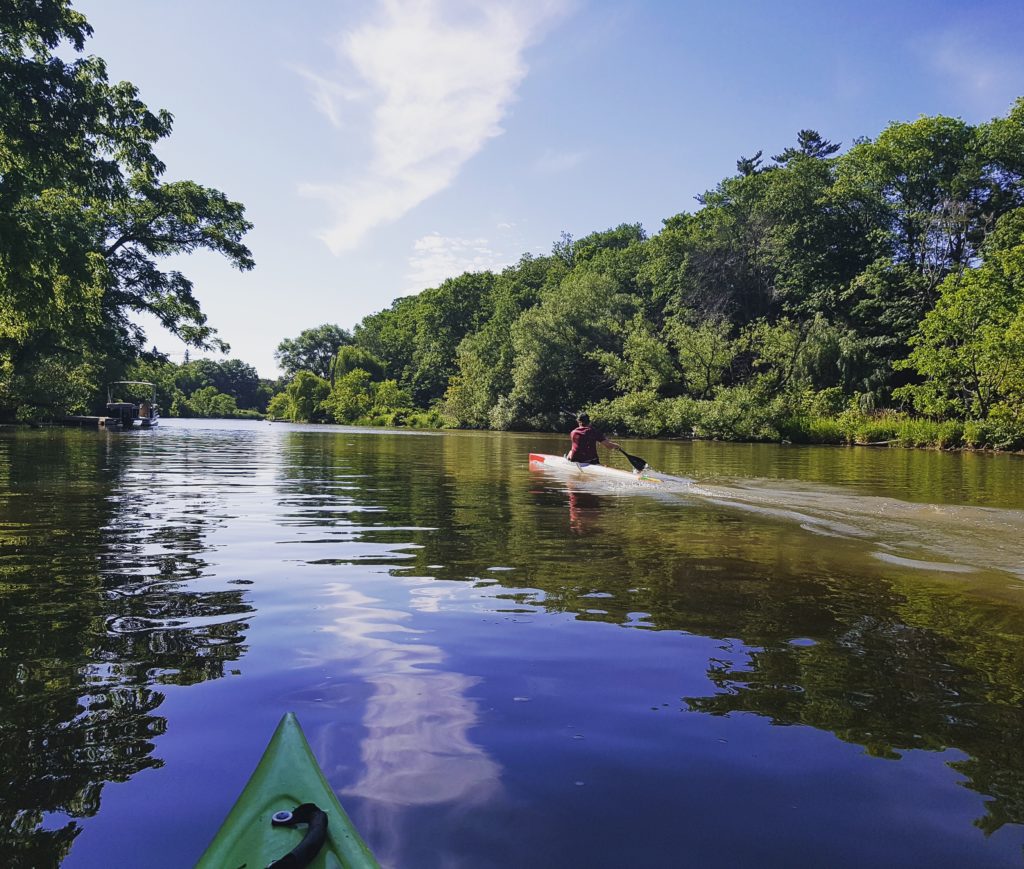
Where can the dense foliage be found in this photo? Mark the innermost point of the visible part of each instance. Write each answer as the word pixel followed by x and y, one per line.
pixel 85 217
pixel 206 388
pixel 824 296
pixel 313 350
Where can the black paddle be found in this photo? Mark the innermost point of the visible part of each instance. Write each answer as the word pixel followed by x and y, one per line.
pixel 637 463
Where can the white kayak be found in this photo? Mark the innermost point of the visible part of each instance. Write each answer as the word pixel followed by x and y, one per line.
pixel 590 472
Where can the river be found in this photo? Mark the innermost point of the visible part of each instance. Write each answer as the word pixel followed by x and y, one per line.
pixel 789 656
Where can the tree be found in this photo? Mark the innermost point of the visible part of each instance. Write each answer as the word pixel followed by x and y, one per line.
pixel 84 215
pixel 749 165
pixel 208 402
pixel 306 395
pixel 390 398
pixel 351 396
pixel 313 350
pixel 969 349
pixel 390 335
pixel 280 407
pixel 817 237
pixel 302 400
pixel 619 238
pixel 443 317
pixel 558 346
pixel 727 270
pixel 705 353
pixel 484 358
pixel 944 184
pixel 809 144
pixel 241 381
pixel 809 274
pixel 646 361
pixel 351 357
pixel 416 338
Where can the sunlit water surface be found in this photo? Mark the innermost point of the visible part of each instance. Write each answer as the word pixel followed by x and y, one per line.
pixel 790 656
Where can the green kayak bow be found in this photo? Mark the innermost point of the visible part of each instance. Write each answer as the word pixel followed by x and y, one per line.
pixel 287 816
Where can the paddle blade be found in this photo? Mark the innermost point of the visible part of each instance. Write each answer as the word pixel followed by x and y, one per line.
pixel 638 463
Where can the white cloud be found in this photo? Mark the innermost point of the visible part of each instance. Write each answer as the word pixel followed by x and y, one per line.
pixel 437 79
pixel 436 257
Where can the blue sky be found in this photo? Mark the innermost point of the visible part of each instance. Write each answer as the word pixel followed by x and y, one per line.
pixel 380 146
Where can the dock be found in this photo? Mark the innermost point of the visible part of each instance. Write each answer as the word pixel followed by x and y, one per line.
pixel 98 422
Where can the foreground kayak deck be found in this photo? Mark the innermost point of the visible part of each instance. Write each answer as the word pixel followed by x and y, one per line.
pixel 287 776
pixel 559 463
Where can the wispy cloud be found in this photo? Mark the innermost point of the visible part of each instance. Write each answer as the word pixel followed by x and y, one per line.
pixel 327 94
pixel 553 162
pixel 436 257
pixel 437 79
pixel 983 72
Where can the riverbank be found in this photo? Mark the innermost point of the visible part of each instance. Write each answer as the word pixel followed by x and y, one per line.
pixel 851 428
pixel 776 420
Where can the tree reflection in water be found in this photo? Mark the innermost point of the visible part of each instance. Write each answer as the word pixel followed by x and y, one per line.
pixel 103 605
pixel 95 615
pixel 897 658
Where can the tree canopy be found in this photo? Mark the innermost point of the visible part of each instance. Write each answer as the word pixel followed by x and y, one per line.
pixel 85 217
pixel 312 350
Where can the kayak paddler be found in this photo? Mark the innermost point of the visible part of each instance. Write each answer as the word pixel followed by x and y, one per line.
pixel 585 439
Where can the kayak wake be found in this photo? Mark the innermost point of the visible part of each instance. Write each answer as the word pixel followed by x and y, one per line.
pixel 940 538
pixel 561 466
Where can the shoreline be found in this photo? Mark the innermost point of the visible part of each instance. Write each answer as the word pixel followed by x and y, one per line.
pixel 891 443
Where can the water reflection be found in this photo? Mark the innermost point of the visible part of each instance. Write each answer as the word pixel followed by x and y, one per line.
pixel 884 654
pixel 413 592
pixel 584 508
pixel 888 658
pixel 416 750
pixel 96 612
pixel 892 681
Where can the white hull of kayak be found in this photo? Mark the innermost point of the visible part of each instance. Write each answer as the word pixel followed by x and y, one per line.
pixel 545 462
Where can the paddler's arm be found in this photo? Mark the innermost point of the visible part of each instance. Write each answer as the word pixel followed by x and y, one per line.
pixel 574 439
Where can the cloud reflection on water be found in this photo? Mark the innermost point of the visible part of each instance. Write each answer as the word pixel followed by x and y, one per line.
pixel 417 750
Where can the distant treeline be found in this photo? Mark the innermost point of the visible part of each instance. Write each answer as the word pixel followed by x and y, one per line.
pixel 206 388
pixel 870 295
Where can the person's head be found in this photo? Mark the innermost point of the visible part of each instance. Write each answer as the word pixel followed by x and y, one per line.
pixel 583 419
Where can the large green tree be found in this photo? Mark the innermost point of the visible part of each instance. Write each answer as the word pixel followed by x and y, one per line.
pixel 85 217
pixel 313 350
pixel 484 358
pixel 559 346
pixel 444 316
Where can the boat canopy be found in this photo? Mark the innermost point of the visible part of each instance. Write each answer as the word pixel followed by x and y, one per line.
pixel 110 388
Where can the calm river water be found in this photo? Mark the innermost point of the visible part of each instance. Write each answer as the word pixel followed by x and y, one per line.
pixel 791 656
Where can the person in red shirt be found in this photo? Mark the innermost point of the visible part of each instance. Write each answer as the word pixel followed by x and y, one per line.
pixel 585 439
